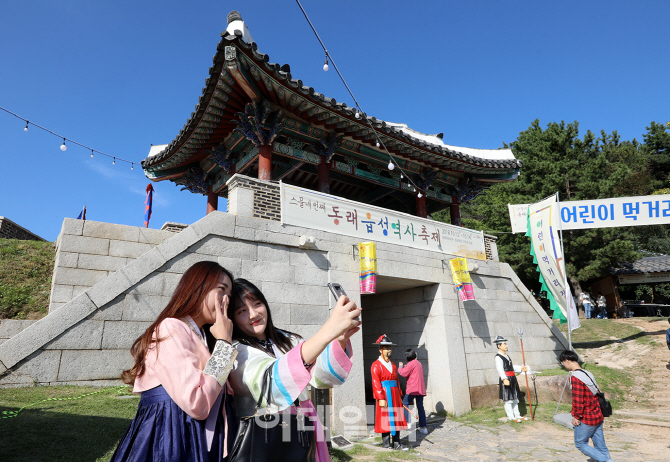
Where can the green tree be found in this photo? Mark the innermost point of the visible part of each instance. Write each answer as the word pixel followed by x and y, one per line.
pixel 556 159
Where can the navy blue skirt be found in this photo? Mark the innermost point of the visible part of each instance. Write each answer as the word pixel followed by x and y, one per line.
pixel 162 431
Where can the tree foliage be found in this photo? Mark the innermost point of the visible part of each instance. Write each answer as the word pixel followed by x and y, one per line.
pixel 556 159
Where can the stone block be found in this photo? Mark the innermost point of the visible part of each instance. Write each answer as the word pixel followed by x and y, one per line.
pixel 72 227
pixel 141 307
pixel 39 367
pixel 121 335
pixel 93 364
pixel 215 223
pixel 111 231
pixel 309 314
pixel 216 246
pixel 184 261
pixel 281 315
pixel 416 309
pixel 61 293
pixel 343 261
pixel 78 290
pixel 154 284
pixel 170 280
pixel 241 202
pixel 305 330
pixel 273 253
pixel 84 244
pixel 311 259
pixel 112 311
pixel 53 306
pixel 78 277
pixel 234 265
pixel 100 262
pixel 86 335
pixel 66 260
pixel 444 307
pixel 244 234
pixel 128 249
pixel 153 236
pixel 46 329
pixel 178 243
pixel 295 294
pixel 276 238
pixel 10 327
pixel 310 276
pixel 266 271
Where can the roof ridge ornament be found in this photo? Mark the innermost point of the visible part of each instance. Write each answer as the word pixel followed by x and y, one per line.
pixel 234 16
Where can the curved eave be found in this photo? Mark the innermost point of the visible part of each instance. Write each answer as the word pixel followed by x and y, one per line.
pixel 331 113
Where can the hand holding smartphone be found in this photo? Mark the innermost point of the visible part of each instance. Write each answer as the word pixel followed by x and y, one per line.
pixel 337 290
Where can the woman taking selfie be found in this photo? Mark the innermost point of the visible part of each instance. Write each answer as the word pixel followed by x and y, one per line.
pixel 182 410
pixel 322 361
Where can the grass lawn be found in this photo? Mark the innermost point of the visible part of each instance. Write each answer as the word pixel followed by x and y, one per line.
pixel 85 429
pixel 25 278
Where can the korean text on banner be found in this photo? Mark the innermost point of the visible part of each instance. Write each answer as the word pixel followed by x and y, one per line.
pixel 462 280
pixel 367 252
pixel 614 212
pixel 548 255
pixel 315 210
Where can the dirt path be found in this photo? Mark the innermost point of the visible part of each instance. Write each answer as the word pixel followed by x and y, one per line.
pixel 647 401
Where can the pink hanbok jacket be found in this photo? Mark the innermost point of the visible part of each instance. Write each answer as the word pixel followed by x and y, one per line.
pixel 413 370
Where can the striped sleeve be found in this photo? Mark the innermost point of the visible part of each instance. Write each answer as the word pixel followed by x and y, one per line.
pixel 289 376
pixel 332 366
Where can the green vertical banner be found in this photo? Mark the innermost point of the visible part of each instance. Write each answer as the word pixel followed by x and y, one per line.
pixel 548 255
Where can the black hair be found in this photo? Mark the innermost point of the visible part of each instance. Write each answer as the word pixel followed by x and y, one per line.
pixel 410 354
pixel 243 289
pixel 668 319
pixel 569 355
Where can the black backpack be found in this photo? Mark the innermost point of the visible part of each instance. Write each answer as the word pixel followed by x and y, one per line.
pixel 605 406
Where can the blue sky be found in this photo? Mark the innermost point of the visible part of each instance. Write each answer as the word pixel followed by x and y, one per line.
pixel 118 76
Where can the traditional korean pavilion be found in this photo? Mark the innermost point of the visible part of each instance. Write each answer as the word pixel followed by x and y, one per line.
pixel 254 118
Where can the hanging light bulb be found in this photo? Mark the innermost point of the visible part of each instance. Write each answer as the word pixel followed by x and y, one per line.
pixel 391 166
pixel 114 161
pixel 132 166
pixel 62 146
pixel 401 176
pixel 91 153
pixel 358 115
pixel 26 129
pixel 378 144
pixel 325 64
pixel 419 195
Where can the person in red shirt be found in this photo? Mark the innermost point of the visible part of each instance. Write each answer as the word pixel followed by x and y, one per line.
pixel 587 419
pixel 416 386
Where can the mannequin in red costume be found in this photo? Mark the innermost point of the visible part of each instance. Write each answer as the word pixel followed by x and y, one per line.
pixel 389 415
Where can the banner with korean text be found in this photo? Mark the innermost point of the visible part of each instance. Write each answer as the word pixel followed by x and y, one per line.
pixel 604 213
pixel 547 252
pixel 367 252
pixel 312 209
pixel 462 279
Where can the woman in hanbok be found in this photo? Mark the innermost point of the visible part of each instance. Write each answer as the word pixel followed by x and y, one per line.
pixel 184 408
pixel 322 361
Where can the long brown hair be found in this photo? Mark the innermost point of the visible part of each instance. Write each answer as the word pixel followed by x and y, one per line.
pixel 186 300
pixel 243 289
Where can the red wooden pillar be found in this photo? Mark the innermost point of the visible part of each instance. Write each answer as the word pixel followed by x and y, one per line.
pixel 421 206
pixel 265 163
pixel 212 200
pixel 324 176
pixel 455 211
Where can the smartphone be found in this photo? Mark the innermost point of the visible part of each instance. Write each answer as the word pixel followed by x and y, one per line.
pixel 337 290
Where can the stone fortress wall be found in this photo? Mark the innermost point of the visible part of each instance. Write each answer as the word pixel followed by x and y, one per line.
pixel 111 281
pixel 10 230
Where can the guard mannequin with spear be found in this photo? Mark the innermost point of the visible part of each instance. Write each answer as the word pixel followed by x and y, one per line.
pixel 507 385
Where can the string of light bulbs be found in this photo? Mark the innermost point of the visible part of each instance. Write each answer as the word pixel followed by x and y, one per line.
pixel 392 162
pixel 63 147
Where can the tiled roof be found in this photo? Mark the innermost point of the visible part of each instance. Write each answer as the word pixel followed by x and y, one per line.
pixel 282 75
pixel 644 265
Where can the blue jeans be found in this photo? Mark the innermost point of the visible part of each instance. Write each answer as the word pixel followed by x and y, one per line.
pixel 408 400
pixel 587 310
pixel 585 432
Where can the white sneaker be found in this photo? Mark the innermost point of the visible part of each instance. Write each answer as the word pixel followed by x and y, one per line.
pixel 423 430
